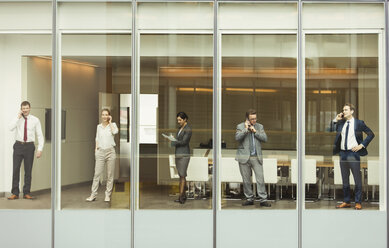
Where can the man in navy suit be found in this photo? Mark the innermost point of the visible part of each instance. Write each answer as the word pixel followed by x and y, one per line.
pixel 350 145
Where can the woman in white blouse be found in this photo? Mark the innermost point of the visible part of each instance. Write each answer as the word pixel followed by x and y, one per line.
pixel 104 154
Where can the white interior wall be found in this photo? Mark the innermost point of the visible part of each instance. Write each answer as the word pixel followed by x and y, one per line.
pixel 80 85
pixel 13 48
pixel 96 45
pixel 36 88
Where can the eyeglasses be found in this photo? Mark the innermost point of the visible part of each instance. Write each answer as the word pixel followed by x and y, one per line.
pixel 253 119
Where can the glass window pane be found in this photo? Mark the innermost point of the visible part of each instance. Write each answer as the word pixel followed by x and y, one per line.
pixel 26 76
pixel 341 69
pixel 96 77
pixel 258 73
pixel 95 16
pixel 175 76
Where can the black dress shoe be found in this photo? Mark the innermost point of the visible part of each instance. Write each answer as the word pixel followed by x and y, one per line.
pixel 248 202
pixel 265 204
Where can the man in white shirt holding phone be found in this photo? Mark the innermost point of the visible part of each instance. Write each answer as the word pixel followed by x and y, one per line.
pixel 26 126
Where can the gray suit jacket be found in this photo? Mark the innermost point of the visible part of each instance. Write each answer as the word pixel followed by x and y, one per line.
pixel 242 135
pixel 182 143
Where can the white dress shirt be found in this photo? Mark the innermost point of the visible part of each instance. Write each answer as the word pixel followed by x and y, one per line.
pixel 104 135
pixel 33 127
pixel 351 140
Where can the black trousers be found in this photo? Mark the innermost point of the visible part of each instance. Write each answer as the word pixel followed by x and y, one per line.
pixel 22 152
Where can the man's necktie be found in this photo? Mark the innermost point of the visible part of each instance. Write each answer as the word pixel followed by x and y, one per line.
pixel 345 138
pixel 253 144
pixel 25 130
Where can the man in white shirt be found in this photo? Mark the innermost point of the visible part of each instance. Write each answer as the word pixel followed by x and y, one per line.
pixel 26 126
pixel 350 145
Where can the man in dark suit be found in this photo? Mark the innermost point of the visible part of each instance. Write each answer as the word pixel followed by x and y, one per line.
pixel 250 135
pixel 350 145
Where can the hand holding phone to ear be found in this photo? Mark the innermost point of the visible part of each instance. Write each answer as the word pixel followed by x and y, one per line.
pixel 339 116
pixel 247 124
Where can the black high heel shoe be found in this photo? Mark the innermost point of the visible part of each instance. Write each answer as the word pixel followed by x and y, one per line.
pixel 183 198
pixel 180 197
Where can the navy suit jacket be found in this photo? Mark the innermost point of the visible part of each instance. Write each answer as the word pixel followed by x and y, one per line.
pixel 359 128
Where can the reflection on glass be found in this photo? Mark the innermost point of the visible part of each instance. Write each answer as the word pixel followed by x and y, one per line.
pixel 259 73
pixel 26 77
pixel 340 69
pixel 96 96
pixel 175 77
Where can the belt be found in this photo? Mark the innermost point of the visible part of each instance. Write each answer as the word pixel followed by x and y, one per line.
pixel 23 143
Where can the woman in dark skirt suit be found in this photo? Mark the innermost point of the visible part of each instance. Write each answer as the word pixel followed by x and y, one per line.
pixel 182 153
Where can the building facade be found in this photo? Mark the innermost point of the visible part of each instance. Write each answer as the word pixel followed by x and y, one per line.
pixel 295 62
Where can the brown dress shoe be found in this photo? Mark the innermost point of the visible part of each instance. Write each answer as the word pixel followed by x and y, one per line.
pixel 344 205
pixel 13 197
pixel 28 197
pixel 358 206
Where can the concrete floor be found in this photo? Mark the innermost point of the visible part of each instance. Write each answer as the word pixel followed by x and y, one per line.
pixel 152 197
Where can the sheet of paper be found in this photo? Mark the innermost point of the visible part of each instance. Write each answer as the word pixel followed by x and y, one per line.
pixel 171 138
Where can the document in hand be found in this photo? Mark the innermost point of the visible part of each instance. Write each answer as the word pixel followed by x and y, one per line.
pixel 171 138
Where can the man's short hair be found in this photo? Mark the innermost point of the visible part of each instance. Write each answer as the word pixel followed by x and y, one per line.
pixel 350 105
pixel 25 103
pixel 250 112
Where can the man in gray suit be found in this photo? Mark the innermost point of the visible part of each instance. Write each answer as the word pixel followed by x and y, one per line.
pixel 250 134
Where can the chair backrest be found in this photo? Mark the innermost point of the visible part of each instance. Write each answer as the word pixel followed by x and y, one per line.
pixel 229 170
pixel 338 175
pixel 172 167
pixel 309 168
pixel 335 157
pixel 373 170
pixel 197 169
pixel 318 158
pixel 280 157
pixel 269 171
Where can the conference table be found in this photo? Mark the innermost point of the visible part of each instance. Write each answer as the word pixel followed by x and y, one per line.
pixel 323 166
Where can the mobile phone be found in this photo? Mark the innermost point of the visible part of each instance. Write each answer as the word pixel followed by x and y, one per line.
pixel 249 124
